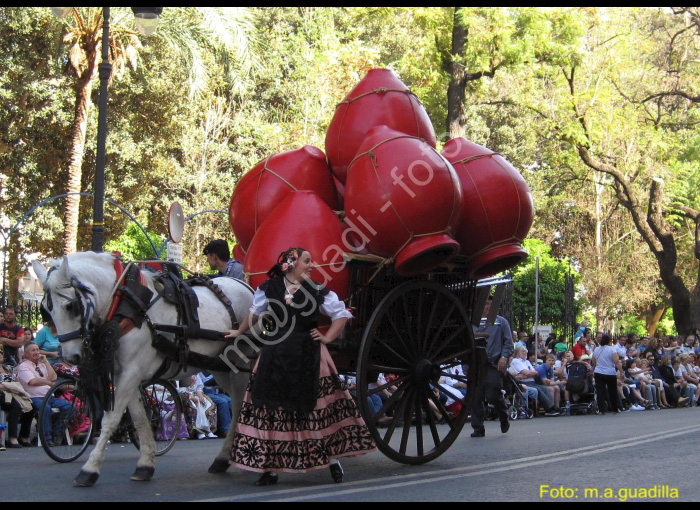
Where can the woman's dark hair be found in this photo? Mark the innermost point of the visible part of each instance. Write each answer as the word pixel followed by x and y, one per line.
pixel 605 339
pixel 291 254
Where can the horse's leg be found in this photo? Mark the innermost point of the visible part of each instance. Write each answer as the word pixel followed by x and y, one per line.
pixel 146 465
pixel 90 471
pixel 235 385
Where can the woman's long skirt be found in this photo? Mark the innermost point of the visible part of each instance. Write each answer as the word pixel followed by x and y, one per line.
pixel 288 441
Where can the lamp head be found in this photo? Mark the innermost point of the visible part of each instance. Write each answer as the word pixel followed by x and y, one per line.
pixel 146 19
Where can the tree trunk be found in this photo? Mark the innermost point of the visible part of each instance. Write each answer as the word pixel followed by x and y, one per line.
pixel 652 316
pixel 456 90
pixel 655 232
pixel 75 170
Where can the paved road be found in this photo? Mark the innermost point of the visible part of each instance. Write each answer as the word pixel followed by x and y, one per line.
pixel 547 459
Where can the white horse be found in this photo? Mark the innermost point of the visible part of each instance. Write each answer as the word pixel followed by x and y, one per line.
pixel 81 290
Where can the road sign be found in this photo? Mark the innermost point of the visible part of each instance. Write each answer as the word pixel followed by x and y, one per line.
pixel 174 253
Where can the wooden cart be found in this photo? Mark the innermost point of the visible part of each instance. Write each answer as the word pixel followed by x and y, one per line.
pixel 415 329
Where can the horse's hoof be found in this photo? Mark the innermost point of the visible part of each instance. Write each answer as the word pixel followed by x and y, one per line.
pixel 86 479
pixel 143 474
pixel 219 466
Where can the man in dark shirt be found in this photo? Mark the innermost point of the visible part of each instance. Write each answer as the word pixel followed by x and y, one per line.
pixel 11 335
pixel 219 257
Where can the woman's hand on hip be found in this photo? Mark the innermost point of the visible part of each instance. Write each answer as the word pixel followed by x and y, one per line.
pixel 317 335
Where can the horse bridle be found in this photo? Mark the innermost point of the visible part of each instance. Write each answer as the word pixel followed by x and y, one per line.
pixel 76 307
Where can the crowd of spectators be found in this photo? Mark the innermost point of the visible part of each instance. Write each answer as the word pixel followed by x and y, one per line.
pixel 653 372
pixel 27 373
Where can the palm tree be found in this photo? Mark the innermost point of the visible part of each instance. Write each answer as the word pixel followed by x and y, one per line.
pixel 227 33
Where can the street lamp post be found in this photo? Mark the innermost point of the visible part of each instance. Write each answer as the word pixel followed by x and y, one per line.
pixel 105 70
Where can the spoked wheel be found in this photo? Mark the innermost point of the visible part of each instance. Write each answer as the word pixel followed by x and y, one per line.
pixel 72 417
pixel 418 332
pixel 164 412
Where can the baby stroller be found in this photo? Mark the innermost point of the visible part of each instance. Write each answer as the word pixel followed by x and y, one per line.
pixel 581 389
pixel 516 399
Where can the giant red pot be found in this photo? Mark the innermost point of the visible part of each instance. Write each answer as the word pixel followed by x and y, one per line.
pixel 405 199
pixel 262 188
pixel 497 212
pixel 301 220
pixel 380 98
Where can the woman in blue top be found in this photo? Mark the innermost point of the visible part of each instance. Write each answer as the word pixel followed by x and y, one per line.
pixel 48 343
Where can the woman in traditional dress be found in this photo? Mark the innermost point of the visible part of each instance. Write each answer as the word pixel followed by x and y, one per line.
pixel 296 415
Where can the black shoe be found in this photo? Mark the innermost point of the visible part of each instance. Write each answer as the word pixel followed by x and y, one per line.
pixel 267 478
pixel 14 445
pixel 505 426
pixel 24 443
pixel 337 472
pixel 478 433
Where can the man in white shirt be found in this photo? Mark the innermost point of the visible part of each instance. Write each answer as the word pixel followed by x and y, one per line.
pixel 621 347
pixel 524 372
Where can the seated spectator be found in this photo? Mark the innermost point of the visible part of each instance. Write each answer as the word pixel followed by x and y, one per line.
pixel 373 401
pixel 546 372
pixel 685 387
pixel 656 378
pixel 670 383
pixel 37 376
pixel 581 330
pixel 541 351
pixel 48 343
pixel 524 372
pixel 28 337
pixel 16 402
pixel 642 375
pixel 11 336
pixel 523 340
pixel 643 342
pixel 222 401
pixel 581 349
pixel 200 410
pixel 621 347
pixel 460 386
pixel 688 346
pixel 690 375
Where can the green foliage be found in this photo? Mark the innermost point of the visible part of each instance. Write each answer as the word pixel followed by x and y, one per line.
pixel 632 324
pixel 666 325
pixel 134 245
pixel 552 275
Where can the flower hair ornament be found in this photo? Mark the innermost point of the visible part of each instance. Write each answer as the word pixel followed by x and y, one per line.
pixel 291 261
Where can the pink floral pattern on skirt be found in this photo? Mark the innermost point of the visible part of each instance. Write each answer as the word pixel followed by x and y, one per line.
pixel 288 441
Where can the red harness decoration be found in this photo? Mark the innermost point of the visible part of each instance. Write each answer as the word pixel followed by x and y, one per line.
pixel 126 324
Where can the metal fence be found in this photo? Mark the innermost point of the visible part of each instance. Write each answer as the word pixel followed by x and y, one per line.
pixel 28 313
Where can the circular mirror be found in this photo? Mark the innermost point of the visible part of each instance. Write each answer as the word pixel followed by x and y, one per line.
pixel 176 222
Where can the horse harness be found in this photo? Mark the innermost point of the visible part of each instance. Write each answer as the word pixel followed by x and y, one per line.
pixel 131 300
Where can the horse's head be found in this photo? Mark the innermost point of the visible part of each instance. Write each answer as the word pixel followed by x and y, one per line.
pixel 75 292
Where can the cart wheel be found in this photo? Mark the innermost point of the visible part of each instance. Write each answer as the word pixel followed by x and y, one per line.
pixel 72 425
pixel 164 411
pixel 417 332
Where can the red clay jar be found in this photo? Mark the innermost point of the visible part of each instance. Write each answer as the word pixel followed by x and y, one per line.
pixel 239 253
pixel 262 188
pixel 302 220
pixel 498 208
pixel 380 98
pixel 405 198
